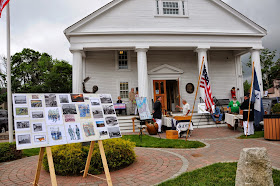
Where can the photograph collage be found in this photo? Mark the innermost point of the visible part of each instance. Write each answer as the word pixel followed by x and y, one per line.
pixel 42 120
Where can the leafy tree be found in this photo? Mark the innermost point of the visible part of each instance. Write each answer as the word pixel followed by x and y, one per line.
pixel 32 71
pixel 269 67
pixel 247 87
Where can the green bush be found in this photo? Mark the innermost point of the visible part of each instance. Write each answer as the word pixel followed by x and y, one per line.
pixel 70 159
pixel 8 152
pixel 276 108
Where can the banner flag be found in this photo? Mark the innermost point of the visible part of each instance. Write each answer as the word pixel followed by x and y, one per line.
pixel 256 98
pixel 3 3
pixel 205 84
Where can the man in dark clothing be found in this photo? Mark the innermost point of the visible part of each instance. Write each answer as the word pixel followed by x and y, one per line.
pixel 245 107
pixel 157 113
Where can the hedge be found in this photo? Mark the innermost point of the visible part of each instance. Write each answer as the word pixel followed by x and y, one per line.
pixel 8 152
pixel 70 159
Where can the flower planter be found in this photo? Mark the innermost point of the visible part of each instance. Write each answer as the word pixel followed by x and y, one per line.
pixel 272 127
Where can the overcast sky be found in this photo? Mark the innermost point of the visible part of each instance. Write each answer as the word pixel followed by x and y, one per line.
pixel 39 24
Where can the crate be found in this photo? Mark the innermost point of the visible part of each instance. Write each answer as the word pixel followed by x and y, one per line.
pixel 172 134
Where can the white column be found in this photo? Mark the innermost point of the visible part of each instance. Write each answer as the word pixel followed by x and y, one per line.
pixel 255 56
pixel 239 75
pixel 142 72
pixel 202 52
pixel 77 72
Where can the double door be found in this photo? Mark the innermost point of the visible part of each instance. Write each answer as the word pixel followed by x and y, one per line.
pixel 160 91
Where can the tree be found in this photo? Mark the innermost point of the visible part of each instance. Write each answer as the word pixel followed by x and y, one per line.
pixel 35 72
pixel 269 67
pixel 247 87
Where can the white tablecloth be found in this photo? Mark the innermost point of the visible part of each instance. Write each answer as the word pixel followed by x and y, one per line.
pixel 182 126
pixel 231 118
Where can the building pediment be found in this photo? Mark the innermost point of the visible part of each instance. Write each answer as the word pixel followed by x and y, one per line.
pixel 165 69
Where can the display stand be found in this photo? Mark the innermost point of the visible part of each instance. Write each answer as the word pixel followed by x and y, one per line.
pixel 104 161
pixel 51 166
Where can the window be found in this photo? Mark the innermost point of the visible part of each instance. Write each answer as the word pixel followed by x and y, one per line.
pixel 174 8
pixel 124 90
pixel 123 60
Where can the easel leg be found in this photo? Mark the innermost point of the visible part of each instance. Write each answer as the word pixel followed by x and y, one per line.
pixel 51 166
pixel 39 166
pixel 88 159
pixel 105 165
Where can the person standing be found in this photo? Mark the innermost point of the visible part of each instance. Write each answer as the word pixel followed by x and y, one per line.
pixel 245 107
pixel 185 108
pixel 234 106
pixel 157 113
pixel 131 97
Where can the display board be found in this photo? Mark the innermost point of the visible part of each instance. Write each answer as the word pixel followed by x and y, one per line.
pixel 43 120
pixel 143 108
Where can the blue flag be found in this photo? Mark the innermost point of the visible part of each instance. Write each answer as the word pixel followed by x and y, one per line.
pixel 257 100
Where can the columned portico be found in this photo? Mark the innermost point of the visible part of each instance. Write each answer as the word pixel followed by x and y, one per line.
pixel 142 71
pixel 202 52
pixel 77 72
pixel 255 56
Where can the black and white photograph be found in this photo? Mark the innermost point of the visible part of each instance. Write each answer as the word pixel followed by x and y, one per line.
pixel 108 109
pixel 97 112
pixel 40 138
pixel 20 99
pixel 114 132
pixel 105 98
pixel 111 121
pixel 95 101
pixel 38 114
pixel 69 109
pixel 22 125
pixel 50 100
pixel 23 139
pixel 38 127
pixel 103 133
pixel 63 98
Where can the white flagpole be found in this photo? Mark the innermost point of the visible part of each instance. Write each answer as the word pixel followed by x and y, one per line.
pixel 9 84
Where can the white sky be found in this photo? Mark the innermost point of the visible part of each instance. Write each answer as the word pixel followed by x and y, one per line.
pixel 39 24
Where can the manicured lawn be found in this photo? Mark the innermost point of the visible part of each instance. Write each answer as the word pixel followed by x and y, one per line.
pixel 219 174
pixel 148 141
pixel 258 134
pixel 31 152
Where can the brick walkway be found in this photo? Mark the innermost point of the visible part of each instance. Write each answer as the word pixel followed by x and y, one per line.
pixel 153 165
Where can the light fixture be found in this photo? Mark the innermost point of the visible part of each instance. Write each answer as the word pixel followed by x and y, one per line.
pixel 121 52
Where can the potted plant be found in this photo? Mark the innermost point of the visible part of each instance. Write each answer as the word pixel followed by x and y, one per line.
pixel 272 124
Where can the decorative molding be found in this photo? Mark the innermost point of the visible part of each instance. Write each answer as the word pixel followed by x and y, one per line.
pixel 165 69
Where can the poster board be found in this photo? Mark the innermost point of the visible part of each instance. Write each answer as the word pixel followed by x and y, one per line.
pixel 143 108
pixel 43 120
pixel 201 108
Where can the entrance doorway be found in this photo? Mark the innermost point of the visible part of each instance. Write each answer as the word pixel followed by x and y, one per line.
pixel 169 91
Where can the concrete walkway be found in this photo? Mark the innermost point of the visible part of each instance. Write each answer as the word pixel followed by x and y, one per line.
pixel 153 165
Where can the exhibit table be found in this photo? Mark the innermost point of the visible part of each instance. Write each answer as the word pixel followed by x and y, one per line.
pixel 232 118
pixel 182 126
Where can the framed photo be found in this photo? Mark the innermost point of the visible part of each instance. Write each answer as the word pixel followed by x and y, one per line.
pixel 19 99
pixel 50 100
pixel 21 111
pixel 74 133
pixel 37 114
pixel 53 116
pixel 77 97
pixel 22 125
pixel 23 140
pixel 36 103
pixel 38 127
pixel 39 139
pixel 64 98
pixel 105 98
pixel 97 112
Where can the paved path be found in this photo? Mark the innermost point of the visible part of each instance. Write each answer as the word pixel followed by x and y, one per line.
pixel 153 165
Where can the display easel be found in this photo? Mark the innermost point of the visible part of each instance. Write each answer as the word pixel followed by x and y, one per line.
pixel 51 166
pixel 104 161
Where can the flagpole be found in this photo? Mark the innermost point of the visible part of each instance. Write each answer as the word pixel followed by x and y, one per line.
pixel 195 97
pixel 249 108
pixel 9 84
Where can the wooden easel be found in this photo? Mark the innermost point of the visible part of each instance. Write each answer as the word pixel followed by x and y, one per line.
pixel 51 166
pixel 104 161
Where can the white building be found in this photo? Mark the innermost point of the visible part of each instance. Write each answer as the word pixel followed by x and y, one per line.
pixel 158 46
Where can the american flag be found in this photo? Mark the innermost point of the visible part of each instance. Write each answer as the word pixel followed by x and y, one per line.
pixel 204 83
pixel 3 3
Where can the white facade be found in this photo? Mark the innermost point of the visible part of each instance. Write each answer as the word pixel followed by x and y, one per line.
pixel 163 47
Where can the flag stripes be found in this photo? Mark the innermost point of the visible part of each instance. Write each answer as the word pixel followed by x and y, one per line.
pixel 3 3
pixel 204 83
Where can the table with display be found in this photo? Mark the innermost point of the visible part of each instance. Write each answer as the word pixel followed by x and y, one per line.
pixel 120 107
pixel 178 122
pixel 233 119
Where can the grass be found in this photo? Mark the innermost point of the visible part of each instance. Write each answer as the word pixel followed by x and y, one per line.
pixel 148 141
pixel 218 174
pixel 258 134
pixel 30 152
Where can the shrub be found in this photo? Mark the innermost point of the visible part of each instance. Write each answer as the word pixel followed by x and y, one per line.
pixel 70 159
pixel 276 108
pixel 8 152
